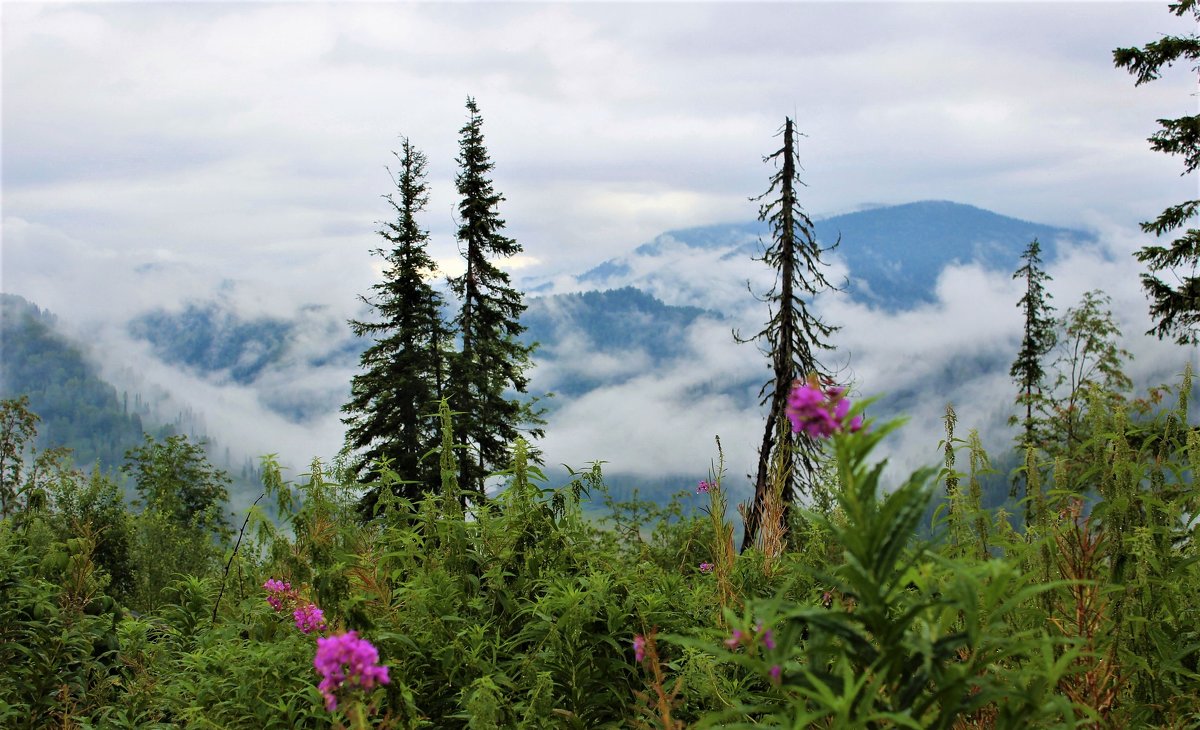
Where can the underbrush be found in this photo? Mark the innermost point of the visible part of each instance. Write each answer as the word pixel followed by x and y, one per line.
pixel 523 613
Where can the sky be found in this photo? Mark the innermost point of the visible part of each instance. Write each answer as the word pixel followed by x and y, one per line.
pixel 155 153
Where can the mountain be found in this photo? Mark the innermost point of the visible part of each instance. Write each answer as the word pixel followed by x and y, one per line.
pixel 896 253
pixel 893 254
pixel 213 340
pixel 78 409
pixel 626 317
pixel 625 320
pixel 204 338
pixel 638 349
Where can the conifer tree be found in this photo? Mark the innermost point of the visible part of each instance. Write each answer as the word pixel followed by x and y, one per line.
pixel 490 365
pixel 1037 341
pixel 394 399
pixel 793 336
pixel 1175 305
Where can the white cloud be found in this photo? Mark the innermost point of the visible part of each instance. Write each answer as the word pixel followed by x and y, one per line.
pixel 154 151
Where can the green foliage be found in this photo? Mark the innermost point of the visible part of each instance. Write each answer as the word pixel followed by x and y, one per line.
pixel 521 612
pixel 1144 473
pixel 1089 357
pixel 18 428
pixel 173 477
pixel 57 633
pixel 1174 305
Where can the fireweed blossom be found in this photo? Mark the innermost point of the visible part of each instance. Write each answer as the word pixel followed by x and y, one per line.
pixel 706 567
pixel 639 648
pixel 309 619
pixel 776 673
pixel 820 413
pixel 703 487
pixel 279 593
pixel 767 638
pixel 752 638
pixel 346 662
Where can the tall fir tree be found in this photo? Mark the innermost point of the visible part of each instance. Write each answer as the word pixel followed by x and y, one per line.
pixel 393 401
pixel 793 336
pixel 490 364
pixel 1174 305
pixel 1037 340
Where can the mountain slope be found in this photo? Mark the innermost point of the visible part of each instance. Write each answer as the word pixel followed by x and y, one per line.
pixel 78 409
pixel 594 338
pixel 894 254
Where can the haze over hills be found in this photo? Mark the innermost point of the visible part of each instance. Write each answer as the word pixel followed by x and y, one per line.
pixel 894 253
pixel 639 349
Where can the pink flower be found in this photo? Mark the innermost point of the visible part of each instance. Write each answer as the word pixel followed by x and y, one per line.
pixel 706 567
pixel 345 663
pixel 764 635
pixel 820 413
pixel 309 619
pixel 703 487
pixel 735 639
pixel 279 593
pixel 639 648
pixel 776 673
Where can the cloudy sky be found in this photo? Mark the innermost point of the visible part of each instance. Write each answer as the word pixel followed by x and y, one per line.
pixel 152 151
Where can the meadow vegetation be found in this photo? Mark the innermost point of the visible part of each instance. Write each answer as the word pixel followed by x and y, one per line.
pixel 519 612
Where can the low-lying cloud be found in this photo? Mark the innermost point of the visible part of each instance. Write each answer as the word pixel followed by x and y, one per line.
pixel 651 415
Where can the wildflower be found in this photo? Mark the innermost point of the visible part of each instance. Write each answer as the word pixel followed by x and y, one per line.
pixel 346 662
pixel 703 486
pixel 279 593
pixel 706 567
pixel 820 413
pixel 309 619
pixel 639 648
pixel 736 638
pixel 764 635
pixel 776 673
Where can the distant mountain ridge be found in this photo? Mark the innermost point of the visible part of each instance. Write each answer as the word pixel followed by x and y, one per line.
pixel 894 253
pixel 634 313
pixel 642 302
pixel 632 345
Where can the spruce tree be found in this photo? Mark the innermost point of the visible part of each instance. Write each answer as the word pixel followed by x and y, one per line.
pixel 1037 340
pixel 394 399
pixel 490 364
pixel 1174 305
pixel 793 336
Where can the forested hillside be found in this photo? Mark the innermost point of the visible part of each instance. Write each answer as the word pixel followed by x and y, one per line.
pixel 78 409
